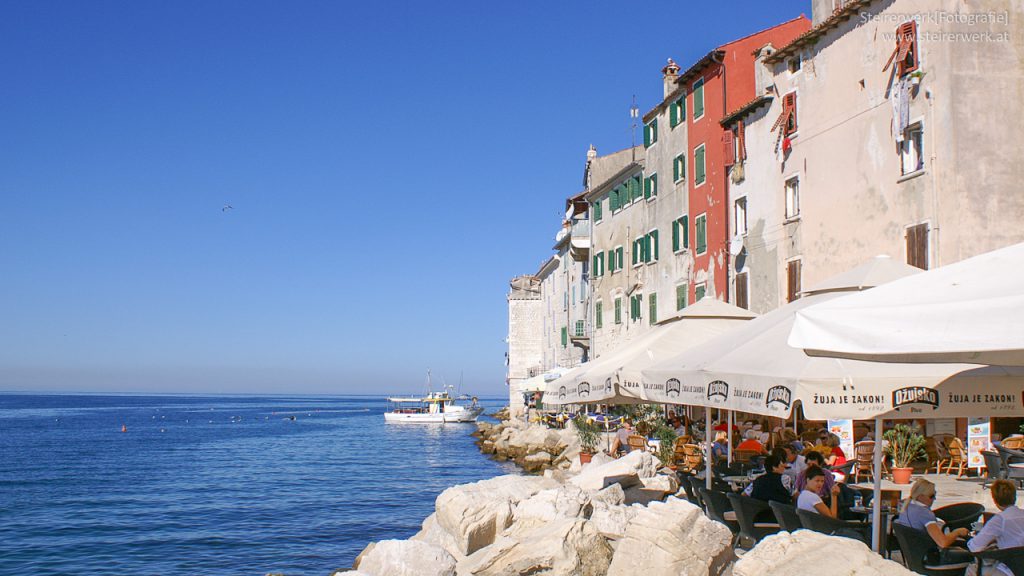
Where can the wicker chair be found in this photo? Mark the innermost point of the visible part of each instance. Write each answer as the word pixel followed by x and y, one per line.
pixel 865 455
pixel 636 442
pixel 937 452
pixel 957 456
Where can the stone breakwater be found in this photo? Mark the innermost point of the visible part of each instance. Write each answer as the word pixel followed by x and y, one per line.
pixel 612 517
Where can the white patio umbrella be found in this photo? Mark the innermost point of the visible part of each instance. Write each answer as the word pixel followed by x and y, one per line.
pixel 970 311
pixel 539 382
pixel 615 378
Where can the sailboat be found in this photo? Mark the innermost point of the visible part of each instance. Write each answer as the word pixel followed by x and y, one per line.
pixel 434 407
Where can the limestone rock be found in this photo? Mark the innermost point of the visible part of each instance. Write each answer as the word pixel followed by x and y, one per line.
pixel 566 501
pixel 672 538
pixel 611 519
pixel 806 552
pixel 433 533
pixel 407 558
pixel 536 461
pixel 563 547
pixel 475 513
pixel 612 495
pixel 636 464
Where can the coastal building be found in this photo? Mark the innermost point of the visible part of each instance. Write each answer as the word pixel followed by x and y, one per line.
pixel 867 140
pixel 564 282
pixel 525 352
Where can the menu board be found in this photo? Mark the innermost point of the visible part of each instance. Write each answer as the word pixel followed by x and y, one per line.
pixel 843 429
pixel 978 440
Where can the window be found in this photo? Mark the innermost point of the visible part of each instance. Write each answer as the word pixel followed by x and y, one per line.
pixel 579 328
pixel 905 54
pixel 741 291
pixel 639 250
pixel 565 337
pixel 636 187
pixel 698 165
pixel 619 260
pixel 618 310
pixel 613 200
pixel 677 111
pixel 700 230
pixel 740 216
pixel 652 309
pixel 794 64
pixel 598 265
pixel 651 246
pixel 598 315
pixel 698 99
pixel 597 211
pixel 680 233
pixel 651 186
pixel 611 261
pixel 681 295
pixel 792 198
pixel 793 280
pixel 917 246
pixel 699 291
pixel 912 149
pixel 636 303
pixel 565 300
pixel 679 168
pixel 650 133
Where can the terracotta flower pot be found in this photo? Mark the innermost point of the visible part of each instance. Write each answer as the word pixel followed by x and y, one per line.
pixel 585 457
pixel 901 475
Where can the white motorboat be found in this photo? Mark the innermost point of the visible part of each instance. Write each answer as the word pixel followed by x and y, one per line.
pixel 435 407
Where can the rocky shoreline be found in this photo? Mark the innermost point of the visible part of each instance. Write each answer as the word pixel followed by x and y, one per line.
pixel 612 517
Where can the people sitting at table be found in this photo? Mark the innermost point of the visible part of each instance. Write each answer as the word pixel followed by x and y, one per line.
pixel 770 486
pixel 621 442
pixel 809 498
pixel 795 464
pixel 816 460
pixel 789 438
pixel 917 513
pixel 752 442
pixel 1005 529
pixel 720 447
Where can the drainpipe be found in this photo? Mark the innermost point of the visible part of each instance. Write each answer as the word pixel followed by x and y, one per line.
pixel 728 257
pixel 933 169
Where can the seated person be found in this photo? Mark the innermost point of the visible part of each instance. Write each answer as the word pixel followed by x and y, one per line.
pixel 816 460
pixel 751 442
pixel 795 464
pixel 769 486
pixel 1005 529
pixel 720 447
pixel 917 513
pixel 809 498
pixel 621 442
pixel 789 438
pixel 837 457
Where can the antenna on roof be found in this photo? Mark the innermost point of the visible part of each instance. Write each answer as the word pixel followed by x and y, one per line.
pixel 634 114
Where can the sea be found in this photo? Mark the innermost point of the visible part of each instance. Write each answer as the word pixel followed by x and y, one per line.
pixel 210 485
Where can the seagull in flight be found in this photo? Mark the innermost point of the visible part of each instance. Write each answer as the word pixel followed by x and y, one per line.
pixel 227 207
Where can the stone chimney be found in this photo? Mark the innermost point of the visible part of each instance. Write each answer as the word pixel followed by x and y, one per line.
pixel 591 153
pixel 669 74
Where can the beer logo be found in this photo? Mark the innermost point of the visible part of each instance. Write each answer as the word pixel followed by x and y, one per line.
pixel 780 396
pixel 561 392
pixel 672 387
pixel 915 395
pixel 718 388
pixel 583 389
pixel 608 384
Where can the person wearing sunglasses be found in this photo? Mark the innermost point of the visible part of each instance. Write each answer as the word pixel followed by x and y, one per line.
pixel 917 513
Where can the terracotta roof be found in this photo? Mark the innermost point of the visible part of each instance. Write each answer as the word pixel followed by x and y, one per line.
pixel 745 109
pixel 849 10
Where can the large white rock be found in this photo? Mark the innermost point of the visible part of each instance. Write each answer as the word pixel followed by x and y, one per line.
pixel 566 501
pixel 612 495
pixel 611 519
pixel 407 558
pixel 475 513
pixel 432 533
pixel 806 552
pixel 672 538
pixel 563 547
pixel 536 461
pixel 632 465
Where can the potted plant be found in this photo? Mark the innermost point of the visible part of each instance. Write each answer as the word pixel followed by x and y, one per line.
pixel 666 437
pixel 589 434
pixel 916 76
pixel 905 446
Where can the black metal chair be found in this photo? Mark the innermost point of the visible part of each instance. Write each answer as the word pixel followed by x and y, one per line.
pixel 915 545
pixel 845 469
pixel 786 515
pixel 750 513
pixel 695 485
pixel 993 467
pixel 720 509
pixel 691 492
pixel 1012 557
pixel 1010 456
pixel 960 515
pixel 833 527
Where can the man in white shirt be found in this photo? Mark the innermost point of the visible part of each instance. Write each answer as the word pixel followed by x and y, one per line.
pixel 795 464
pixel 1005 529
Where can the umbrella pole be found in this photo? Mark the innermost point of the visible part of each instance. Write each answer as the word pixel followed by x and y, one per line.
pixel 728 427
pixel 876 501
pixel 707 447
pixel 794 420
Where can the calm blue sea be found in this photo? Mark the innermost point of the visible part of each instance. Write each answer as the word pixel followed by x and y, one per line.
pixel 215 484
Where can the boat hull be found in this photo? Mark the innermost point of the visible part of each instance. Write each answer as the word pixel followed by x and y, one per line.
pixel 452 417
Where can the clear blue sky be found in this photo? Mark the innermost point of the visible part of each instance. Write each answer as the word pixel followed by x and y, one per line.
pixel 391 165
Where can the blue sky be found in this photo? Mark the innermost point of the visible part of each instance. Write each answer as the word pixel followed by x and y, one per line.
pixel 390 166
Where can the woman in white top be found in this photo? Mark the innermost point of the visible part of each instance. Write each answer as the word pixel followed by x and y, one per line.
pixel 809 499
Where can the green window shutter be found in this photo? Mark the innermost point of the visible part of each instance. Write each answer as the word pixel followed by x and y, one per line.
pixel 565 336
pixel 646 247
pixel 618 310
pixel 613 200
pixel 686 231
pixel 699 294
pixel 682 108
pixel 701 233
pixel 597 211
pixel 654 131
pixel 598 320
pixel 681 296
pixel 673 115
pixel 654 244
pixel 698 100
pixel 647 135
pixel 638 187
pixel 652 304
pixel 675 235
pixel 698 165
pixel 635 253
pixel 619 258
pixel 654 184
pixel 647 187
pixel 593 267
pixel 579 328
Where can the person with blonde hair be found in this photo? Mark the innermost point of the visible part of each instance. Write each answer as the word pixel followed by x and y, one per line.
pixel 1005 529
pixel 917 514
